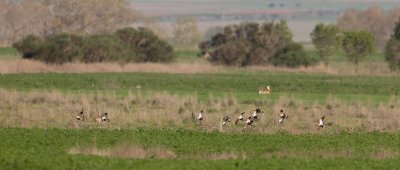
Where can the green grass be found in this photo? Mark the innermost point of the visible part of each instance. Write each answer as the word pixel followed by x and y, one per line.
pixel 8 53
pixel 47 149
pixel 244 85
pixel 189 56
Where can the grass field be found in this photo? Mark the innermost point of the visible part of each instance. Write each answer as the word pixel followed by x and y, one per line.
pixel 154 128
pixel 244 85
pixel 8 53
pixel 52 149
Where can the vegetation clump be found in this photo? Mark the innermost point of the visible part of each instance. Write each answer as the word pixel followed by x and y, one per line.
pixel 357 45
pixel 254 44
pixel 326 39
pixel 392 52
pixel 125 45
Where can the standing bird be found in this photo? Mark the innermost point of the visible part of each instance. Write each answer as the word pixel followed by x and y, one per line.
pixel 80 116
pixel 256 112
pixel 225 120
pixel 201 116
pixel 321 122
pixel 282 116
pixel 240 118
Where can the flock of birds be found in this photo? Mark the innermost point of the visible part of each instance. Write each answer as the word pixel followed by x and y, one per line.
pixel 254 117
pixel 248 122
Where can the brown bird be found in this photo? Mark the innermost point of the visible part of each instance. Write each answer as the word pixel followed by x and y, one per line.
pixel 240 118
pixel 249 121
pixel 256 112
pixel 201 116
pixel 225 120
pixel 282 116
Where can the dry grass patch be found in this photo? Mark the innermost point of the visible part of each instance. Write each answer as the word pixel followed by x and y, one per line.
pixel 31 66
pixel 125 151
pixel 56 109
pixel 326 154
pixel 216 156
pixel 384 154
pixel 136 151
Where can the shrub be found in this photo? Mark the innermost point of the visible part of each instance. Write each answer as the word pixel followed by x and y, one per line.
pixel 59 49
pixel 28 46
pixel 232 53
pixel 106 47
pixel 250 44
pixel 145 46
pixel 392 52
pixel 126 45
pixel 292 55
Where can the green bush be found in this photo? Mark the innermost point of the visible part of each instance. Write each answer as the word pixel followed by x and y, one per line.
pixel 59 49
pixel 254 44
pixel 392 51
pixel 292 55
pixel 28 46
pixel 231 53
pixel 126 45
pixel 145 46
pixel 101 48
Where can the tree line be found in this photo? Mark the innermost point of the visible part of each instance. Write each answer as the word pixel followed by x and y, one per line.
pixel 90 31
pixel 271 43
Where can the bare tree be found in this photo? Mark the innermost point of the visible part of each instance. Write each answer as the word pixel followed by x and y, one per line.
pixel 374 20
pixel 152 24
pixel 90 16
pixel 185 32
pixel 19 18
